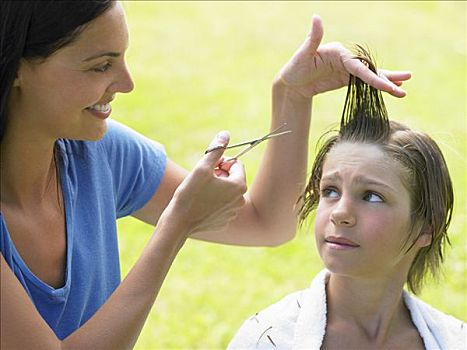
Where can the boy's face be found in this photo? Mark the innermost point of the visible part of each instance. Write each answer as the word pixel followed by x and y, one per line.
pixel 363 215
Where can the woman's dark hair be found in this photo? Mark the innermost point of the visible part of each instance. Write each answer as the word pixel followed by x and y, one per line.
pixel 425 173
pixel 34 30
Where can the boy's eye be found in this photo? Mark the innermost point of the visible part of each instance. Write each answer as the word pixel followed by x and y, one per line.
pixel 373 197
pixel 329 193
pixel 102 68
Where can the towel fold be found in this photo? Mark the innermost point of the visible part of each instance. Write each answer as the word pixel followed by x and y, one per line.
pixel 298 321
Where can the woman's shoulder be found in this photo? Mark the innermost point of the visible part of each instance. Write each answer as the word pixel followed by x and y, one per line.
pixel 119 141
pixel 121 135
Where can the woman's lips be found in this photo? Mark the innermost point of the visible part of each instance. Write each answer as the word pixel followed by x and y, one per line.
pixel 340 243
pixel 100 114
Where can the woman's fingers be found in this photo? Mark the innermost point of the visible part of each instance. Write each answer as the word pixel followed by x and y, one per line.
pixel 395 76
pixel 360 70
pixel 212 193
pixel 221 173
pixel 237 170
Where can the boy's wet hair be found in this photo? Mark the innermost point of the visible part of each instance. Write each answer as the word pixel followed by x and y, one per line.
pixel 425 174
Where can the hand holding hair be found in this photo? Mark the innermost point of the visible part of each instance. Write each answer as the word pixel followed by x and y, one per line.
pixel 316 68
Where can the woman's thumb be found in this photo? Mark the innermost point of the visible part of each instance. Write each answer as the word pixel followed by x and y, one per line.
pixel 217 146
pixel 316 33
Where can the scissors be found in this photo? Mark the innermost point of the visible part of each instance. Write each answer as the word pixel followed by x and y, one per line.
pixel 252 143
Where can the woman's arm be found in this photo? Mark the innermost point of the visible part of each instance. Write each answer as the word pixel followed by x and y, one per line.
pixel 115 326
pixel 203 201
pixel 269 216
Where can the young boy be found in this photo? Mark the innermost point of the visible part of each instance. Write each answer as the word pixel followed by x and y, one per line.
pixel 383 200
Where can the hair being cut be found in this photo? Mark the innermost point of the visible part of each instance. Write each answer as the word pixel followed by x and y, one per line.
pixel 425 173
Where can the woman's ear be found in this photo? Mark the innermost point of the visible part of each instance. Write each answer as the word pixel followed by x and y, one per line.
pixel 19 73
pixel 16 81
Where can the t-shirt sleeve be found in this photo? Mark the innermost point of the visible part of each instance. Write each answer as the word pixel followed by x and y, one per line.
pixel 137 165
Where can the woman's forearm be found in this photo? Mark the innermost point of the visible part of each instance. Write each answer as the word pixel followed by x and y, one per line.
pixel 116 325
pixel 120 320
pixel 269 216
pixel 282 173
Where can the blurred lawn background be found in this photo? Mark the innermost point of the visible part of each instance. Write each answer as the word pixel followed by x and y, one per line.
pixel 200 67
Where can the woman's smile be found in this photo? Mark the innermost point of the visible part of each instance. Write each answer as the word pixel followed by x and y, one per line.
pixel 101 111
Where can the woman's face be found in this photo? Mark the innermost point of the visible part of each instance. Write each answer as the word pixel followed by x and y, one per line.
pixel 363 216
pixel 68 94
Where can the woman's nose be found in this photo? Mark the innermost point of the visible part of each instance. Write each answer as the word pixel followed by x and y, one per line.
pixel 343 213
pixel 123 82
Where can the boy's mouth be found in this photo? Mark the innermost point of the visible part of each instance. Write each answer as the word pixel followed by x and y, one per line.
pixel 341 241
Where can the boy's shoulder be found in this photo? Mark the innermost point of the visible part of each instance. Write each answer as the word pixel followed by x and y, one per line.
pixel 298 319
pixel 449 332
pixel 272 327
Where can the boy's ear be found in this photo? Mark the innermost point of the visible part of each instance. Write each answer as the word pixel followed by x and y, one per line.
pixel 425 237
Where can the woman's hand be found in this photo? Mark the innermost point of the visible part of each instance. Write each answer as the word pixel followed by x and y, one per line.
pixel 316 68
pixel 210 196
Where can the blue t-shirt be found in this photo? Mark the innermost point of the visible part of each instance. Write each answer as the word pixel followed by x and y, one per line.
pixel 101 181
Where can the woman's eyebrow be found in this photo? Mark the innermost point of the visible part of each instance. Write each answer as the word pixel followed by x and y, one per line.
pixel 105 54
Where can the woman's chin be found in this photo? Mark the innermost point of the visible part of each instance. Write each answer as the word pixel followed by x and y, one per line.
pixel 97 133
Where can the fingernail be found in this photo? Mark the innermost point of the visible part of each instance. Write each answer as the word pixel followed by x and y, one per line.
pixel 220 141
pixel 223 136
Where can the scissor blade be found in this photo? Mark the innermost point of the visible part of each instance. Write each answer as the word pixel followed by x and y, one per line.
pixel 279 134
pixel 253 142
pixel 243 143
pixel 244 151
pixel 258 141
pixel 273 132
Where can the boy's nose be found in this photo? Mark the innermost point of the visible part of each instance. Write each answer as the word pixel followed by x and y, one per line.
pixel 342 214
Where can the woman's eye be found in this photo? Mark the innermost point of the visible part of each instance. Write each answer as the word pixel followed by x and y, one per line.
pixel 102 68
pixel 373 197
pixel 329 193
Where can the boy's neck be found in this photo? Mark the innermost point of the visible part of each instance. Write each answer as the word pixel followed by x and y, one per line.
pixel 375 308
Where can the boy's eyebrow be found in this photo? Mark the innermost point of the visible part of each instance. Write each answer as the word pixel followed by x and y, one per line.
pixel 331 177
pixel 368 181
pixel 104 54
pixel 358 179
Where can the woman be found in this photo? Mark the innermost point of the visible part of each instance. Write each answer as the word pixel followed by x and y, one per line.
pixel 67 172
pixel 383 198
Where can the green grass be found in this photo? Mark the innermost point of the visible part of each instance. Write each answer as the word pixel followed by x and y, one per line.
pixel 201 67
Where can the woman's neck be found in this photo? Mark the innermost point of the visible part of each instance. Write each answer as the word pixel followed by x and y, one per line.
pixel 373 308
pixel 28 169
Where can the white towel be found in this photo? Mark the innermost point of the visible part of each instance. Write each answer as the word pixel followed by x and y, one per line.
pixel 299 322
